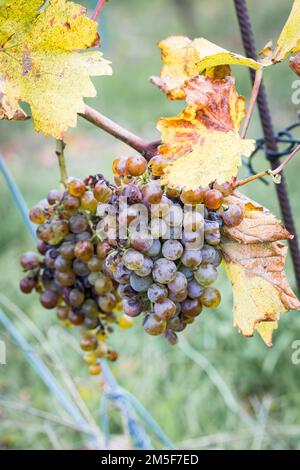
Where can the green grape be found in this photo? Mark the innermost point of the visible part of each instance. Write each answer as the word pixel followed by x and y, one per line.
pixel 206 274
pixel 153 326
pixel 210 297
pixel 172 249
pixel 164 271
pixel 140 284
pixel 157 293
pixel 164 309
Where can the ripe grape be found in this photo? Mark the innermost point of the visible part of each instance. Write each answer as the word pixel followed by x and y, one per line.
pixel 29 260
pixel 27 284
pixel 84 250
pixel 179 283
pixel 210 297
pixel 140 284
pixel 54 196
pixel 132 307
pixel 102 192
pixel 164 309
pixel 157 292
pixel 193 197
pixel 133 259
pixel 206 274
pixel 213 199
pixel 194 289
pixel 153 326
pixel 232 215
pixel 152 192
pixel 172 249
pixel 49 299
pixel 164 271
pixel 76 187
pixel 136 165
pixel 191 258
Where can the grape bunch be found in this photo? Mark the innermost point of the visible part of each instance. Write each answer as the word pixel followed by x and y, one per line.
pixel 133 246
pixel 69 274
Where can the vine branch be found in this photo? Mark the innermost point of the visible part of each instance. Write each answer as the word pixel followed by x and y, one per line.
pixel 253 99
pixel 269 172
pixel 60 147
pixel 147 149
pixel 100 4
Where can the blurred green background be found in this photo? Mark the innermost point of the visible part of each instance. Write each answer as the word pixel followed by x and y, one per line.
pixel 228 391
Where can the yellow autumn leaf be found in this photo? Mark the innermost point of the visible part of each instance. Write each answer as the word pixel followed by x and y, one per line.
pixel 289 39
pixel 43 62
pixel 258 224
pixel 202 143
pixel 261 291
pixel 184 58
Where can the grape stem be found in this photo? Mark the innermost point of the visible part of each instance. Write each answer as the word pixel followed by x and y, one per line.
pixel 60 147
pixel 253 99
pixel 100 4
pixel 269 172
pixel 147 149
